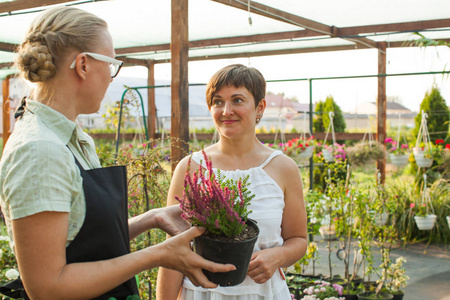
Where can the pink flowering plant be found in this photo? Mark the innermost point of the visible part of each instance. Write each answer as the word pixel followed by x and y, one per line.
pixel 419 210
pixel 323 290
pixel 339 151
pixel 298 145
pixel 395 148
pixel 218 204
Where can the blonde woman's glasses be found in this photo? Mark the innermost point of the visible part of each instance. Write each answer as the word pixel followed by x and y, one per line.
pixel 114 64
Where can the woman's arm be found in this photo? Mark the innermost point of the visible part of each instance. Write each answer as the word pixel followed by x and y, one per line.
pixel 265 263
pixel 40 249
pixel 169 282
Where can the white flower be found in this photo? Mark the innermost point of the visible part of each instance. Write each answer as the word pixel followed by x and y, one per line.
pixel 4 238
pixel 322 289
pixel 12 274
pixel 1 253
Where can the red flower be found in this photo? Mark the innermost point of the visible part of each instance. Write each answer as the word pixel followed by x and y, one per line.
pixel 439 142
pixel 447 146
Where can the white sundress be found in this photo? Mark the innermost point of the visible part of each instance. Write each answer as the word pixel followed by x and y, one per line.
pixel 267 209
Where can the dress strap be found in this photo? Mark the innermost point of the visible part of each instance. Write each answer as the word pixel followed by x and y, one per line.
pixel 274 154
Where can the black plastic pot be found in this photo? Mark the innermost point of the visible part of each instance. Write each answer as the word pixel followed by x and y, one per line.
pixel 398 296
pixel 232 252
pixel 381 296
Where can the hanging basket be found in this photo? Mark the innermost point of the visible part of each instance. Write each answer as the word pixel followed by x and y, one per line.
pixel 327 155
pixel 425 223
pixel 399 160
pixel 421 159
pixel 381 219
pixel 328 232
pixel 307 153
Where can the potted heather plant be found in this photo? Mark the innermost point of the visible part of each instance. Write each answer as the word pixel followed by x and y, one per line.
pixel 221 206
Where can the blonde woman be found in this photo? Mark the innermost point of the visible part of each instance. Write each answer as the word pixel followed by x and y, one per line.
pixel 67 216
pixel 235 98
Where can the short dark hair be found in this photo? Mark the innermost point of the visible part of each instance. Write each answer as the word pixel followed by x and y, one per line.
pixel 238 76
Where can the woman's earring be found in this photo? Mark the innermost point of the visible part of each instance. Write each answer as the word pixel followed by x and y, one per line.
pixel 258 118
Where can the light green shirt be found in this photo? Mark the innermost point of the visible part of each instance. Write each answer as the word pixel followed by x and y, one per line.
pixel 38 171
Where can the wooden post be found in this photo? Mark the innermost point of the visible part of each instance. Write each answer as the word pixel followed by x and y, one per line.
pixel 6 108
pixel 381 107
pixel 179 132
pixel 151 118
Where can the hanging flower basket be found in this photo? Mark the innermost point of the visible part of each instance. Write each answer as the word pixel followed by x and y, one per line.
pixel 327 155
pixel 426 222
pixel 381 219
pixel 307 153
pixel 328 232
pixel 422 157
pixel 399 160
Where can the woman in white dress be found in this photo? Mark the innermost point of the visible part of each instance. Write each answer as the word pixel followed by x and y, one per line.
pixel 235 97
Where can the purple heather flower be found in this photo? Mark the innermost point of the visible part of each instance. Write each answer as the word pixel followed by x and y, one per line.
pixel 338 288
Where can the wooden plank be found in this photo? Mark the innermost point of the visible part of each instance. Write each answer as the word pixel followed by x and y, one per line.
pixel 381 107
pixel 180 84
pixel 8 47
pixel 132 61
pixel 340 136
pixel 152 118
pixel 5 110
pixel 289 18
pixel 395 27
pixel 11 6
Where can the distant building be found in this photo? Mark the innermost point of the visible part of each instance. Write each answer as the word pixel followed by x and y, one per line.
pixel 396 115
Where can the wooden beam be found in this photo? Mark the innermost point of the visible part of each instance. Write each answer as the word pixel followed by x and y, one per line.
pixel 395 27
pixel 132 61
pixel 283 16
pixel 8 47
pixel 5 110
pixel 268 53
pixel 6 65
pixel 180 84
pixel 151 116
pixel 381 107
pixel 26 4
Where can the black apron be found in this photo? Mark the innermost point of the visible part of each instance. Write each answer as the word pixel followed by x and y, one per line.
pixel 104 234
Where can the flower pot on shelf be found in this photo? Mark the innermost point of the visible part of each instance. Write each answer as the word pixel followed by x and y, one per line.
pixel 328 232
pixel 327 155
pixel 420 158
pixel 371 296
pixel 426 222
pixel 399 160
pixel 230 251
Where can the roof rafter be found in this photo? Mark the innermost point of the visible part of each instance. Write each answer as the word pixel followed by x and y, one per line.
pixel 26 4
pixel 286 17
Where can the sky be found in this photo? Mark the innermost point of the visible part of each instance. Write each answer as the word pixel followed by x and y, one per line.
pixel 408 90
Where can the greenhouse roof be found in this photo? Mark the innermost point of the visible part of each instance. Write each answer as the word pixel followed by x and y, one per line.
pixel 141 29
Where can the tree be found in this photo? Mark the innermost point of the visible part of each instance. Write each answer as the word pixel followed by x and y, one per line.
pixel 438 115
pixel 322 120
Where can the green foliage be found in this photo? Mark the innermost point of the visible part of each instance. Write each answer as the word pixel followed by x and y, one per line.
pixel 7 257
pixel 148 172
pixel 438 115
pixel 365 152
pixel 322 119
